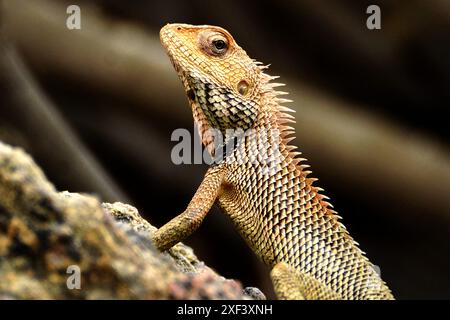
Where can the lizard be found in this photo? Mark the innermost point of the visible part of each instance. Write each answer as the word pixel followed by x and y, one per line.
pixel 262 183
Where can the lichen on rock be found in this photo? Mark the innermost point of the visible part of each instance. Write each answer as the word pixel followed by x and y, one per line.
pixel 43 232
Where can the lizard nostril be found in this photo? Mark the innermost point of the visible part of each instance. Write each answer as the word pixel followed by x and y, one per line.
pixel 178 28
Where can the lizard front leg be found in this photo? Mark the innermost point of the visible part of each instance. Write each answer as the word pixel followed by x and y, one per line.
pixel 187 222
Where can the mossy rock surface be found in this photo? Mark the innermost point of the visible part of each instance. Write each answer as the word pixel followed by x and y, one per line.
pixel 43 232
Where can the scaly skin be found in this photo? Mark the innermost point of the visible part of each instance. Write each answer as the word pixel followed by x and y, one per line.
pixel 261 183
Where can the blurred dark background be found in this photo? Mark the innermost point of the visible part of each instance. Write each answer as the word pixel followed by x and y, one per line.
pixel 96 108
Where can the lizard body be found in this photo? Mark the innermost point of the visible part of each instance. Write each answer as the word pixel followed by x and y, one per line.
pixel 262 183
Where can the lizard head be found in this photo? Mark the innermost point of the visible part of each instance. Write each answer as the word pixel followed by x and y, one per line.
pixel 221 81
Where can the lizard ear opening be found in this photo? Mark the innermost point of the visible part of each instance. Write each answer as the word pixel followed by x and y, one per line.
pixel 243 87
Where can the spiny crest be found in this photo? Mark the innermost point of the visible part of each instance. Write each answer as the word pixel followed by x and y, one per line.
pixel 283 117
pixel 269 89
pixel 282 114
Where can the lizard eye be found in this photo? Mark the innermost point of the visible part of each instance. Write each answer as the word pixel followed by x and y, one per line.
pixel 214 43
pixel 218 44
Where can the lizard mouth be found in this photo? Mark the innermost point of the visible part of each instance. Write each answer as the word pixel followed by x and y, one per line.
pixel 170 41
pixel 166 37
pixel 190 94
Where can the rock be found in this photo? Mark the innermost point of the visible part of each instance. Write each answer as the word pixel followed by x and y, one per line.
pixel 254 293
pixel 47 236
